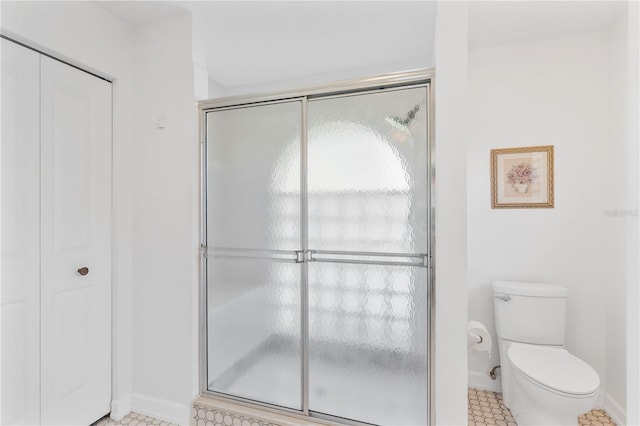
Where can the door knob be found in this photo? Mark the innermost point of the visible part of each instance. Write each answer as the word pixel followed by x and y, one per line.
pixel 83 271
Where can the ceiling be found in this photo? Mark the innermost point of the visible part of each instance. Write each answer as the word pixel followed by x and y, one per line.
pixel 138 12
pixel 287 40
pixel 493 23
pixel 246 43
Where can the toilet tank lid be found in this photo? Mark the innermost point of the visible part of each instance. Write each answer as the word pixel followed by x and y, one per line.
pixel 517 288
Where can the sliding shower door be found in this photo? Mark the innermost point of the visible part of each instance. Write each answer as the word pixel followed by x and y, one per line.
pixel 253 237
pixel 317 265
pixel 368 305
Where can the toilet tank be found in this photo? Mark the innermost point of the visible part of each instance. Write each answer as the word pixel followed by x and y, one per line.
pixel 530 312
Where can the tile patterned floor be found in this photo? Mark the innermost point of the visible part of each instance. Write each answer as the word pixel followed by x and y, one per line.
pixel 595 418
pixel 133 419
pixel 205 416
pixel 486 408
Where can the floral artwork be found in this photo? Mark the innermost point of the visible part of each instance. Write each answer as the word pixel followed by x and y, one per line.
pixel 522 177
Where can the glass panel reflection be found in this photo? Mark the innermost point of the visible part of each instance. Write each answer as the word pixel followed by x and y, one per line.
pixel 246 148
pixel 253 329
pixel 367 189
pixel 368 342
pixel 368 172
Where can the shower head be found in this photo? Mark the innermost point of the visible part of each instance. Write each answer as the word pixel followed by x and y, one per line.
pixel 403 123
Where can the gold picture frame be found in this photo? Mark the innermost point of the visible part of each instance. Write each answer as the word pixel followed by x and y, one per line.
pixel 522 177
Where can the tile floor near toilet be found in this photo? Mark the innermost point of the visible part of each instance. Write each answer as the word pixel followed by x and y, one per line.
pixel 486 408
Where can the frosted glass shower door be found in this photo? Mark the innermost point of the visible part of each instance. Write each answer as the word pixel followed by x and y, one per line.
pixel 368 240
pixel 316 248
pixel 252 238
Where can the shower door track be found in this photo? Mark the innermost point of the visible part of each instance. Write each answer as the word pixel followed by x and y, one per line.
pixel 386 82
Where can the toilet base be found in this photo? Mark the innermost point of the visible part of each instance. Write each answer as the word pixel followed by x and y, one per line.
pixel 535 406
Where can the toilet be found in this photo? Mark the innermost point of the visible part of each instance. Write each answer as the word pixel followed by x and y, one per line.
pixel 542 382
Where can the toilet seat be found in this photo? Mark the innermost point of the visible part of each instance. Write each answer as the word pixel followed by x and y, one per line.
pixel 555 369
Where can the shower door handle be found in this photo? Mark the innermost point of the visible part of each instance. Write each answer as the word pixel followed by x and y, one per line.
pixel 421 260
pixel 255 254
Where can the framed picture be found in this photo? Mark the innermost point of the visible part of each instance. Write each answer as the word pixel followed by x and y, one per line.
pixel 522 177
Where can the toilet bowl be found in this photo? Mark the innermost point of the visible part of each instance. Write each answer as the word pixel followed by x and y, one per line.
pixel 553 386
pixel 542 382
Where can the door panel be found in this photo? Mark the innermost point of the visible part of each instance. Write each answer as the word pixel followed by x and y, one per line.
pixel 253 231
pixel 71 330
pixel 19 294
pixel 368 236
pixel 253 166
pixel 71 172
pixel 76 233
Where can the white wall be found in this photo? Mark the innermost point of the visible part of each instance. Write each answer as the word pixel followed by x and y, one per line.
pixel 618 203
pixel 199 43
pixel 450 214
pixel 633 141
pixel 165 220
pixel 552 92
pixel 216 90
pixel 106 48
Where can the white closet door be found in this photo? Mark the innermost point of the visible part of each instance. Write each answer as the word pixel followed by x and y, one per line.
pixel 76 233
pixel 19 292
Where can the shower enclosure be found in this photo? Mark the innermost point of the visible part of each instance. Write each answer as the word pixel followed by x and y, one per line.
pixel 316 243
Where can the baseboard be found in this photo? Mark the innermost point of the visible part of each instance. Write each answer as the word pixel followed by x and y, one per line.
pixel 613 409
pixel 120 408
pixel 162 409
pixel 483 381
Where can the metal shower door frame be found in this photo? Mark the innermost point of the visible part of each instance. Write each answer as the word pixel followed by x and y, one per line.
pixel 377 84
